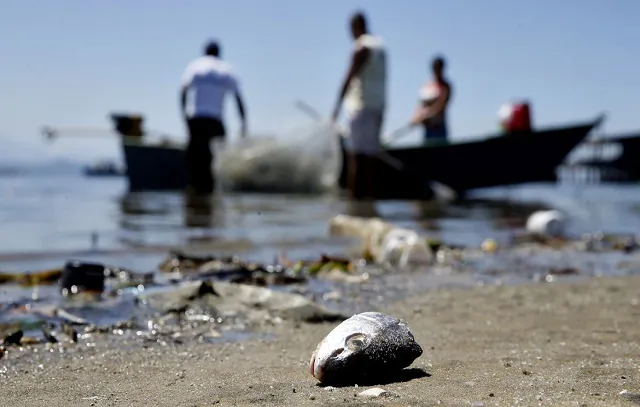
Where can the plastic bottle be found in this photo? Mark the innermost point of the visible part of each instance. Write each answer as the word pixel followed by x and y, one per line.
pixel 403 247
pixel 550 223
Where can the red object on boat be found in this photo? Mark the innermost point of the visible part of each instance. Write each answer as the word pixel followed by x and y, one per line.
pixel 518 118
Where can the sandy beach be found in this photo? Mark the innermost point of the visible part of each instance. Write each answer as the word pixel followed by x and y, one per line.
pixel 561 344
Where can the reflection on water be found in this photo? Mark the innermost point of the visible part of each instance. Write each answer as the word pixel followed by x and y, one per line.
pixel 279 221
pixel 49 213
pixel 170 212
pixel 202 210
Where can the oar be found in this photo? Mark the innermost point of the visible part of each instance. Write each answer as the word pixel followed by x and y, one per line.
pixel 440 190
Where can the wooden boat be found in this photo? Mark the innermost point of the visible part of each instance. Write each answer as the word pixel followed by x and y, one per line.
pixel 496 160
pixel 151 166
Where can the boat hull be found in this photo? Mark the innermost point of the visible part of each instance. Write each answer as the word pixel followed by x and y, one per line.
pixel 503 160
pixel 154 168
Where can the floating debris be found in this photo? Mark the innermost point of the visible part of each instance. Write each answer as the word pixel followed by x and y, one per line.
pixel 13 338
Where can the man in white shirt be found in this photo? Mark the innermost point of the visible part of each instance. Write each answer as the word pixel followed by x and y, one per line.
pixel 364 94
pixel 209 79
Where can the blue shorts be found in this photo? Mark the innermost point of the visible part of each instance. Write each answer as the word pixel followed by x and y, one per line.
pixel 436 133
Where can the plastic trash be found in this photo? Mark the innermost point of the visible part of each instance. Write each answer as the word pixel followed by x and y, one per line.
pixel 402 248
pixel 549 223
pixel 388 244
pixel 304 159
pixel 370 230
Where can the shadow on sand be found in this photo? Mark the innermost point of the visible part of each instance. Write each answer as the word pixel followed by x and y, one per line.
pixel 402 376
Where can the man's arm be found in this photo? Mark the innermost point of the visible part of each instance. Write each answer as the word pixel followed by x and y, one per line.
pixel 357 62
pixel 187 77
pixel 235 88
pixel 242 113
pixel 183 100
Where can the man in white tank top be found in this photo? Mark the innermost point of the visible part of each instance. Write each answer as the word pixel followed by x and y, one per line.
pixel 364 92
pixel 208 79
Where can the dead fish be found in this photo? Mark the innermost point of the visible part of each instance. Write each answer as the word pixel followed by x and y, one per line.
pixel 364 346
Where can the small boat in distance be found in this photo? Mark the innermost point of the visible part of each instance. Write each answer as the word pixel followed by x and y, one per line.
pixel 104 168
pixel 616 155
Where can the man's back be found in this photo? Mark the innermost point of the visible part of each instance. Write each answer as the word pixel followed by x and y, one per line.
pixel 209 79
pixel 368 88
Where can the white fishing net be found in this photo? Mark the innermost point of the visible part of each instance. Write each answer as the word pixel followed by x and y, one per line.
pixel 304 159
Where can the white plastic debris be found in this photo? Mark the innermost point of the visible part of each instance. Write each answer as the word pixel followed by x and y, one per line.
pixel 403 247
pixel 550 223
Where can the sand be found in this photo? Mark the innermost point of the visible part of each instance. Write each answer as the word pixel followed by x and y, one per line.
pixel 560 344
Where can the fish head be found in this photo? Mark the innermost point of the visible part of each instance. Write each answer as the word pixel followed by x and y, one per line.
pixel 339 350
pixel 366 344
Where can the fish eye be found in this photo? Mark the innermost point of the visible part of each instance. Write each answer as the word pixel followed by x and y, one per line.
pixel 356 342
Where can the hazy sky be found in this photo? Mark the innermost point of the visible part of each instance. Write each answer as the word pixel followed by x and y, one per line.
pixel 71 62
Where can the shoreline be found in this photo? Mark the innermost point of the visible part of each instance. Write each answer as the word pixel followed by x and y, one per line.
pixel 561 343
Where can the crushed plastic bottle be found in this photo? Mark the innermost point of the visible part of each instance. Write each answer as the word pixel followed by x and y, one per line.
pixel 394 246
pixel 402 248
pixel 370 230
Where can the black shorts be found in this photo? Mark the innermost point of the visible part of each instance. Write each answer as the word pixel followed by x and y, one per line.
pixel 205 128
pixel 198 153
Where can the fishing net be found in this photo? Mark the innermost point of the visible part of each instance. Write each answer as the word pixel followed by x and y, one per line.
pixel 304 159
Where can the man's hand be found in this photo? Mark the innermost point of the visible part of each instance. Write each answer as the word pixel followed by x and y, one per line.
pixel 420 115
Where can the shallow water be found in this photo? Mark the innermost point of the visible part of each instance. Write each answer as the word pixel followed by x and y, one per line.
pixel 49 219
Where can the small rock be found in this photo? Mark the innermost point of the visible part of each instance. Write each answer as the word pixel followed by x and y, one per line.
pixel 373 392
pixel 329 388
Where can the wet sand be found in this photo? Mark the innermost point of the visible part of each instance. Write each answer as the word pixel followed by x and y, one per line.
pixel 560 344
